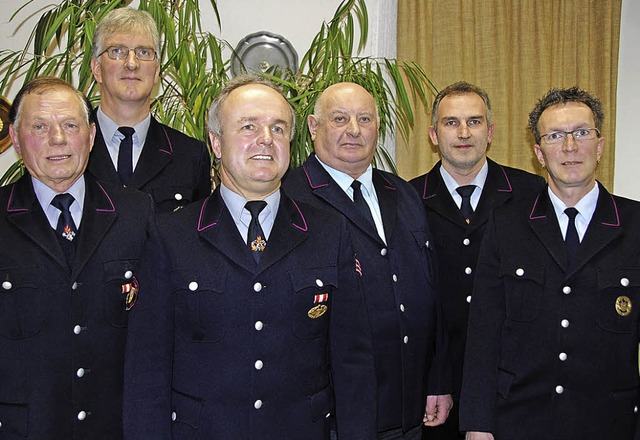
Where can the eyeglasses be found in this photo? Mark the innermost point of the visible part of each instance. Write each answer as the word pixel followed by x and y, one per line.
pixel 579 135
pixel 122 52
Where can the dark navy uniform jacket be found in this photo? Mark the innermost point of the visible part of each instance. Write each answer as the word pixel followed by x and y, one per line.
pixel 224 348
pixel 552 352
pixel 63 329
pixel 409 341
pixel 173 167
pixel 457 243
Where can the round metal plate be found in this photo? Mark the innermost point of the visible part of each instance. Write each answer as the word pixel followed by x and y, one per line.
pixel 261 51
pixel 5 140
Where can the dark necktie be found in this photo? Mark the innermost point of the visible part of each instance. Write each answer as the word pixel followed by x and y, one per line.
pixel 256 240
pixel 572 240
pixel 125 155
pixel 360 202
pixel 66 229
pixel 466 209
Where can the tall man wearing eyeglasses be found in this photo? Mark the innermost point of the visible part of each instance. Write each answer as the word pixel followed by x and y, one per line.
pixel 552 346
pixel 132 148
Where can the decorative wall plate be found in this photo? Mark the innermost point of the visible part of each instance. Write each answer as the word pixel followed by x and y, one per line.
pixel 5 140
pixel 262 50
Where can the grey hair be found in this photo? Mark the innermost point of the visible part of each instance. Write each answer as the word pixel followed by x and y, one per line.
pixel 127 21
pixel 214 122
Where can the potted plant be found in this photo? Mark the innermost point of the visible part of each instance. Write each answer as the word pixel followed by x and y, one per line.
pixel 193 68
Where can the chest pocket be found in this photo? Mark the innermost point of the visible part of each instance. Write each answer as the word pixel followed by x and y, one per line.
pixel 171 198
pixel 426 244
pixel 20 303
pixel 314 289
pixel 618 299
pixel 523 287
pixel 121 290
pixel 199 302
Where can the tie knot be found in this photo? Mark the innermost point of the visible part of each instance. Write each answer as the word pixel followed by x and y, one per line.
pixel 356 184
pixel 466 190
pixel 126 131
pixel 571 213
pixel 255 207
pixel 63 201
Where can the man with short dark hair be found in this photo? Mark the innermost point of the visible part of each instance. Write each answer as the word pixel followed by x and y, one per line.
pixel 552 347
pixel 132 148
pixel 458 194
pixel 69 271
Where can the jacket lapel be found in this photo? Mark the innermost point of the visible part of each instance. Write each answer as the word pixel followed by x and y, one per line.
pixel 387 200
pixel 605 226
pixel 323 186
pixel 216 226
pixel 543 222
pixel 100 163
pixel 98 215
pixel 26 214
pixel 436 196
pixel 156 155
pixel 497 191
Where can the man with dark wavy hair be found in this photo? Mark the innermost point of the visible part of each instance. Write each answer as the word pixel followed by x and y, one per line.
pixel 552 346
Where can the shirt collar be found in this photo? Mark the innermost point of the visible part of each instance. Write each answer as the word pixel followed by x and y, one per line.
pixel 235 204
pixel 586 206
pixel 110 131
pixel 478 181
pixel 344 180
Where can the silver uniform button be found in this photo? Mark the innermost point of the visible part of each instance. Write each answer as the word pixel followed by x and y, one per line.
pixel 257 287
pixel 74 286
pixel 520 271
pixel 193 286
pixel 564 323
pixel 128 275
pixel 177 196
pixel 319 283
pixel 426 243
pixel 562 356
pixel 635 410
pixel 402 307
pixel 468 270
pixel 6 285
pixel 258 325
pixel 466 242
pixel 566 290
pixel 405 339
pixel 559 389
pixel 77 329
pixel 624 282
pixel 257 404
pixel 174 416
pixel 80 372
pixel 395 278
pixel 82 415
pixel 469 299
pixel 259 364
pixel 383 251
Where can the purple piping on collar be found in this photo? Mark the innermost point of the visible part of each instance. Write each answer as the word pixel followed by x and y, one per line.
pixel 11 199
pixel 113 208
pixel 388 185
pixel 510 189
pixel 615 206
pixel 200 227
pixel 304 168
pixel 531 217
pixel 170 151
pixel 304 228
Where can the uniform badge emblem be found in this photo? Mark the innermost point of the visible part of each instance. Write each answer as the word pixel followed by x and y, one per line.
pixel 317 311
pixel 323 297
pixel 358 268
pixel 68 233
pixel 130 290
pixel 259 244
pixel 623 305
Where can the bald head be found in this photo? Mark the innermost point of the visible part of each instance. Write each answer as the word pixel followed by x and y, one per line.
pixel 344 128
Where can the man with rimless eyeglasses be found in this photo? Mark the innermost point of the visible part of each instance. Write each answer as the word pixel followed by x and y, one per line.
pixel 132 148
pixel 552 344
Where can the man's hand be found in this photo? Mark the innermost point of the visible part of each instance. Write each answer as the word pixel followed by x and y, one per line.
pixel 473 435
pixel 437 409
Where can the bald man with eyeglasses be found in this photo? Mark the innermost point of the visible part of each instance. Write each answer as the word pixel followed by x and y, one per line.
pixel 132 148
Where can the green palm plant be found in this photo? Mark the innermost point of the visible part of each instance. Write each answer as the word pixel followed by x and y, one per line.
pixel 193 69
